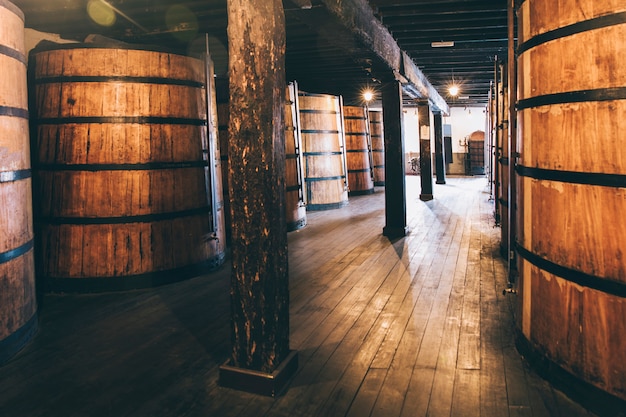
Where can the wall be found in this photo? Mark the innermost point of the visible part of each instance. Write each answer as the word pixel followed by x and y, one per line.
pixel 464 121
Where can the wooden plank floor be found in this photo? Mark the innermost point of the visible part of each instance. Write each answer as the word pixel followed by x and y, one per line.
pixel 413 327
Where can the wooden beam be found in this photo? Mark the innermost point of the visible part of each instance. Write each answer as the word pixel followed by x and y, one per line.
pixel 440 168
pixel 426 166
pixel 259 280
pixel 395 189
pixel 351 25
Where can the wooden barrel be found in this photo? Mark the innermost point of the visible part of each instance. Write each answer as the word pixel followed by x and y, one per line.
pixel 223 115
pixel 572 188
pixel 321 126
pixel 294 204
pixel 358 150
pixel 18 304
pixel 378 146
pixel 503 181
pixel 126 175
pixel 294 179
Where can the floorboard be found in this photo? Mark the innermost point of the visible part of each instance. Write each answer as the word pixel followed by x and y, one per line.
pixel 413 327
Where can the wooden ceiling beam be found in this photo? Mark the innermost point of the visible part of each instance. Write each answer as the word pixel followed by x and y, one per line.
pixel 352 26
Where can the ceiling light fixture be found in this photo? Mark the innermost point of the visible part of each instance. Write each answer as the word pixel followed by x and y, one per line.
pixel 442 44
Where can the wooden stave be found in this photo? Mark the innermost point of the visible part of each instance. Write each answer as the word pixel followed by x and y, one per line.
pixel 18 301
pixel 323 151
pixel 360 176
pixel 572 286
pixel 158 165
pixel 378 146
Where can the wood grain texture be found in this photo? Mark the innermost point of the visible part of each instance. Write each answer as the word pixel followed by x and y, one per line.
pixel 358 150
pixel 363 310
pixel 321 124
pixel 259 280
pixel 572 223
pixel 378 146
pixel 121 170
pixel 18 304
pixel 294 176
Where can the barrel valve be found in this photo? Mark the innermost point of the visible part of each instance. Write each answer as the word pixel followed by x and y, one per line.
pixel 210 236
pixel 509 289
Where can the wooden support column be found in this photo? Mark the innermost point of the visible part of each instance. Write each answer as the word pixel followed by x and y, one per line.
pixel 440 168
pixel 426 168
pixel 395 191
pixel 261 360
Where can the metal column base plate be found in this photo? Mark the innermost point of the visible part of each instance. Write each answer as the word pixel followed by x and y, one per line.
pixel 258 382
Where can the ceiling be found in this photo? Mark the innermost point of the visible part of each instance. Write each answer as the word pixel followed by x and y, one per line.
pixel 478 29
pixel 326 50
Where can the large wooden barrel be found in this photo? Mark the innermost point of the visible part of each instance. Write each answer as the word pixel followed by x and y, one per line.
pixel 127 190
pixel 572 188
pixel 18 304
pixel 358 150
pixel 294 178
pixel 378 146
pixel 294 204
pixel 323 143
pixel 223 116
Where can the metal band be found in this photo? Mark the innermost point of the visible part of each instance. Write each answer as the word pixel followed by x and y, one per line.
pixel 590 281
pixel 291 156
pixel 601 94
pixel 379 166
pixel 14 342
pixel 122 167
pixel 503 202
pixel 117 79
pixel 146 218
pixel 504 160
pixel 357 151
pixel 322 153
pixel 334 132
pixel 12 176
pixel 12 8
pixel 131 282
pixel 356 134
pixel 13 53
pixel 360 170
pixel 326 206
pixel 578 27
pixel 305 94
pixel 16 253
pixel 293 188
pixel 362 192
pixel 584 178
pixel 125 47
pixel 354 118
pixel 14 112
pixel 315 179
pixel 314 111
pixel 121 120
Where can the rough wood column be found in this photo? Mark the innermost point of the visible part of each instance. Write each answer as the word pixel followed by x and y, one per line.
pixel 259 281
pixel 440 168
pixel 426 166
pixel 395 192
